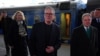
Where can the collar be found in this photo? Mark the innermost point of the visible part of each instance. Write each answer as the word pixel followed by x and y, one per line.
pixel 86 27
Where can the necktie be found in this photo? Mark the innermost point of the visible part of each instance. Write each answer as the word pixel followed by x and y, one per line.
pixel 88 32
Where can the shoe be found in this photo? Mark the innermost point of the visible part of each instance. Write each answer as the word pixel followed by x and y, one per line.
pixel 6 55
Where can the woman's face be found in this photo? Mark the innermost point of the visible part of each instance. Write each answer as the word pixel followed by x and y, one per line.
pixel 19 17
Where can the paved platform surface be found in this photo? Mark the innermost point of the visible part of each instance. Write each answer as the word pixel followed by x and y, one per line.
pixel 63 51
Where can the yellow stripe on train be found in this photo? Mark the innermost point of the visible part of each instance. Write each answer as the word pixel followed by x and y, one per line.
pixel 29 27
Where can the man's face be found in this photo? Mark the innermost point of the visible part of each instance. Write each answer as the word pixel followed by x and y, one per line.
pixel 97 13
pixel 86 21
pixel 49 15
pixel 4 14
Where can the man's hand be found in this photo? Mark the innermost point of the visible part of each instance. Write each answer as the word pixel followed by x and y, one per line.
pixel 50 49
pixel 11 46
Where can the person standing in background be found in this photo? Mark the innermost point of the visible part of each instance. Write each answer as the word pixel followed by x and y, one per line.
pixel 96 23
pixel 5 22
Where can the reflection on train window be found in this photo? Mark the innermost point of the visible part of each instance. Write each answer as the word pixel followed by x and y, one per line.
pixel 37 18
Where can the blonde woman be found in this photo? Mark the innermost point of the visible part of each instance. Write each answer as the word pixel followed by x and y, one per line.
pixel 18 34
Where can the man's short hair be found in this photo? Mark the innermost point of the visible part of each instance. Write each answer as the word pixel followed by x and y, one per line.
pixel 49 7
pixel 86 14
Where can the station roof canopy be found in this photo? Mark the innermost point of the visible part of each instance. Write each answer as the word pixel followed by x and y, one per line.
pixel 26 3
pixel 92 4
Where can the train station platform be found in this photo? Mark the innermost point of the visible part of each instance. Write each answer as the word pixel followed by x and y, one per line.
pixel 63 51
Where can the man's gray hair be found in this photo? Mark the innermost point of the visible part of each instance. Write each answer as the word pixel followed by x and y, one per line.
pixel 86 14
pixel 49 7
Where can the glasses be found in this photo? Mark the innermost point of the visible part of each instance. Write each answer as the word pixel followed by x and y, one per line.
pixel 48 13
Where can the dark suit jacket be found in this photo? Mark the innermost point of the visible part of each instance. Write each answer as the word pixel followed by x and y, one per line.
pixel 97 25
pixel 81 45
pixel 37 39
pixel 5 26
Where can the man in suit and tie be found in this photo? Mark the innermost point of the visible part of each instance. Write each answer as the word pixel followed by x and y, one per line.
pixel 96 23
pixel 84 40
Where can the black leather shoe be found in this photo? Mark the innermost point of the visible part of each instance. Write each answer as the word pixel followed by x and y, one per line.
pixel 6 55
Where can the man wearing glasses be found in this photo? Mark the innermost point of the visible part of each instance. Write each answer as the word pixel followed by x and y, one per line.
pixel 45 36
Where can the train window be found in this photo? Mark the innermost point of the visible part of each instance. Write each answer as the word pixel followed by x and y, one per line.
pixel 64 6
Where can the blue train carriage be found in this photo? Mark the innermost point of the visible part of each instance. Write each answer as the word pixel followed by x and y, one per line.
pixel 32 14
pixel 64 18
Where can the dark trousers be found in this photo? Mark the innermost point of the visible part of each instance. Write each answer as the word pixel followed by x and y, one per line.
pixel 98 53
pixel 19 51
pixel 6 44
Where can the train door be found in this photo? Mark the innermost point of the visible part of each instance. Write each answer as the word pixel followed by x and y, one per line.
pixel 65 25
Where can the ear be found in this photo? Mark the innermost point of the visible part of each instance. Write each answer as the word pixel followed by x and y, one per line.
pixel 54 17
